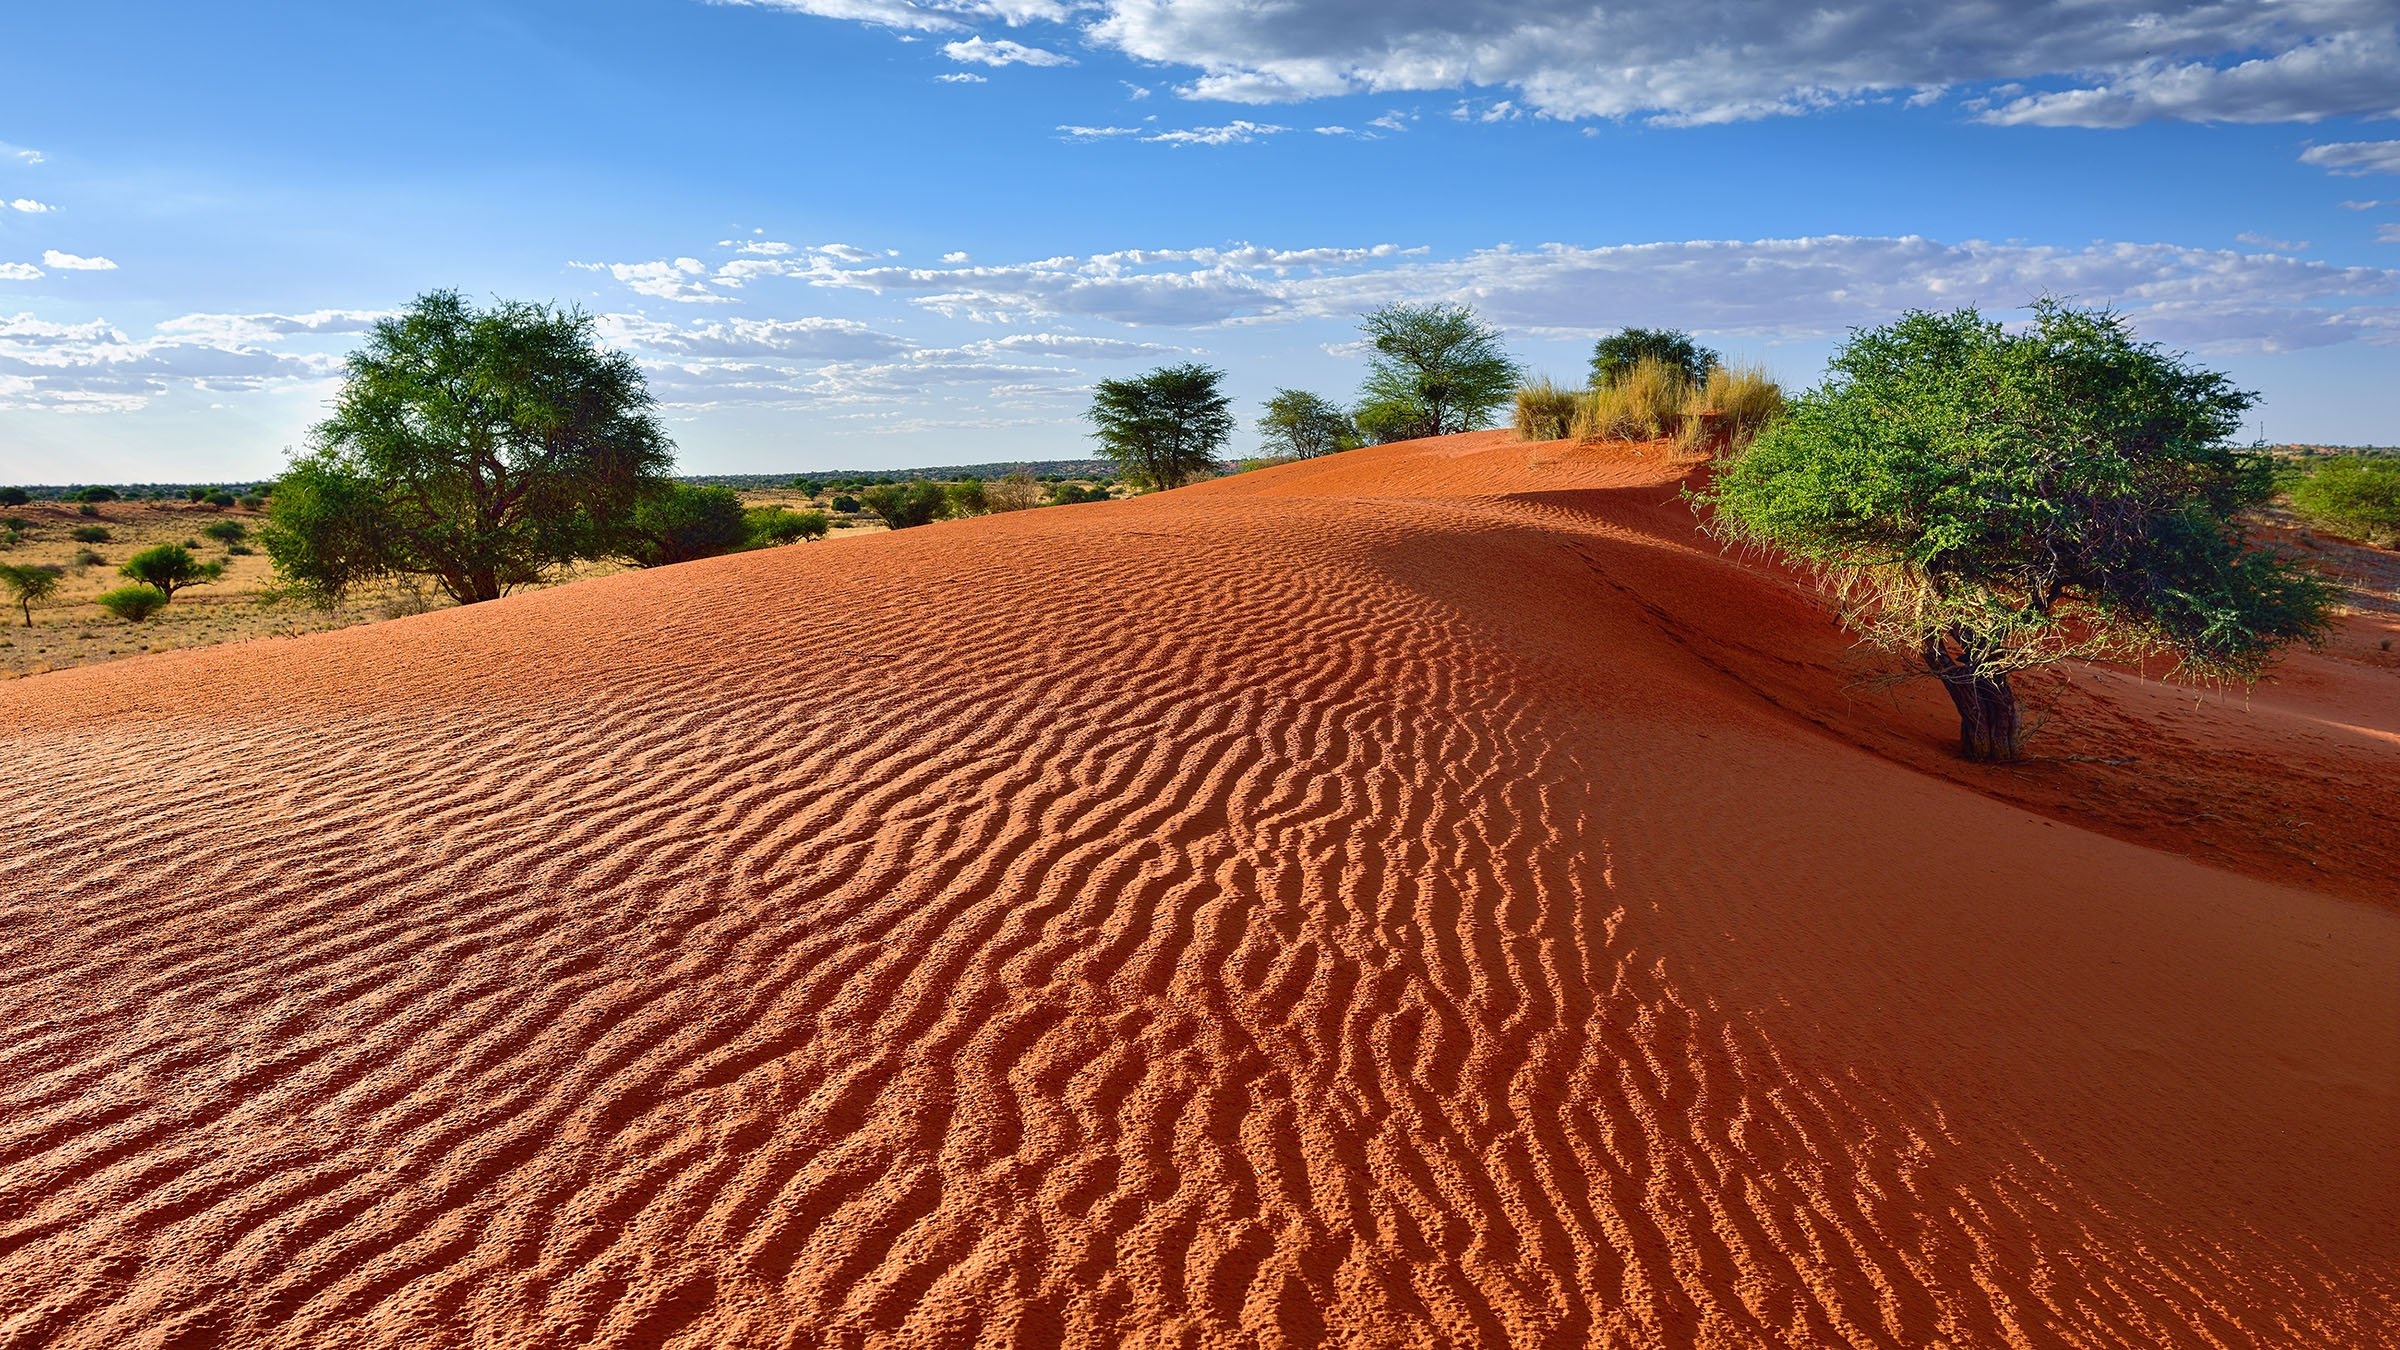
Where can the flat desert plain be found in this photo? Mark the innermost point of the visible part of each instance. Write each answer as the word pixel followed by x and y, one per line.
pixel 1425 896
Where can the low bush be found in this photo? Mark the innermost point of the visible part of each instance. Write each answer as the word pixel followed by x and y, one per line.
pixel 903 505
pixel 966 498
pixel 1545 411
pixel 90 534
pixel 14 496
pixel 133 604
pixel 1069 494
pixel 681 522
pixel 2354 496
pixel 227 531
pixel 239 550
pixel 87 509
pixel 1643 404
pixel 1017 492
pixel 85 557
pixel 778 525
pixel 93 494
pixel 252 501
pixel 846 504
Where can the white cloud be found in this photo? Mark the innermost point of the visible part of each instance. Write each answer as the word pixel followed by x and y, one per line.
pixel 2366 206
pixel 2257 240
pixel 96 367
pixel 683 280
pixel 977 51
pixel 21 154
pixel 2387 234
pixel 954 258
pixel 1096 133
pixel 1236 132
pixel 2348 74
pixel 1135 92
pixel 29 206
pixel 961 77
pixel 70 262
pixel 2350 159
pixel 926 16
pixel 1393 121
pixel 18 271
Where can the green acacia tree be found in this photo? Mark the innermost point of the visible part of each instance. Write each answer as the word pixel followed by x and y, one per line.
pixel 1163 429
pixel 680 522
pixel 1302 425
pixel 1618 353
pixel 1437 370
pixel 1987 501
pixel 907 505
pixel 169 568
pixel 483 448
pixel 30 583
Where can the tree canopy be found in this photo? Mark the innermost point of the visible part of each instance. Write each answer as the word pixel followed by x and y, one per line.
pixel 2355 496
pixel 1618 353
pixel 680 522
pixel 483 448
pixel 1163 429
pixel 30 583
pixel 1302 425
pixel 169 568
pixel 1987 501
pixel 1438 369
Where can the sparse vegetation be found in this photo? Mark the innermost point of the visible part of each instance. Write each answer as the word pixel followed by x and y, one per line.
pixel 30 584
pixel 769 525
pixel 1545 411
pixel 1163 429
pixel 89 534
pixel 133 604
pixel 1018 491
pixel 1437 370
pixel 1644 403
pixel 227 531
pixel 1302 425
pixel 1986 501
pixel 2353 495
pixel 1732 407
pixel 1073 494
pixel 168 568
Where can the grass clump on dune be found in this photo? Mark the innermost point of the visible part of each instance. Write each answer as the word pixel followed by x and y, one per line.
pixel 1643 404
pixel 1731 408
pixel 1545 410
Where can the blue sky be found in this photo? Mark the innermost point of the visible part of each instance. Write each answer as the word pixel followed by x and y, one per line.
pixel 893 232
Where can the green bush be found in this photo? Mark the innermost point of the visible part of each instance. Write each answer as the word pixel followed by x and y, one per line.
pixel 966 498
pixel 2354 496
pixel 93 494
pixel 903 505
pixel 679 522
pixel 228 531
pixel 14 496
pixel 252 501
pixel 85 557
pixel 87 509
pixel 1072 494
pixel 1614 356
pixel 169 568
pixel 239 550
pixel 16 523
pixel 1545 411
pixel 133 604
pixel 778 525
pixel 90 534
pixel 846 504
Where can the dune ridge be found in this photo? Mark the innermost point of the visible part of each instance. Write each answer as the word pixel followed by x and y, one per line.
pixel 1419 897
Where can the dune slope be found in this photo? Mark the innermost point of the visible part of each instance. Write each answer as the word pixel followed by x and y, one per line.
pixel 1420 897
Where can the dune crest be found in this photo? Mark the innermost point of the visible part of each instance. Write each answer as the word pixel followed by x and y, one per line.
pixel 1424 896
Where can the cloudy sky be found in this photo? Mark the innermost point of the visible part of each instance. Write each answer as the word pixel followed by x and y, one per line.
pixel 898 232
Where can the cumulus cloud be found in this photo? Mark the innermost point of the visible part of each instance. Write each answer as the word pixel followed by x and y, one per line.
pixel 977 51
pixel 97 367
pixel 71 262
pixel 683 280
pixel 2353 158
pixel 2257 240
pixel 2082 62
pixel 961 77
pixel 19 271
pixel 29 206
pixel 1237 132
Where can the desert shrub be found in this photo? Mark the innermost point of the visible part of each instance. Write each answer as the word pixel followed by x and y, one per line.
pixel 133 604
pixel 199 494
pixel 227 531
pixel 678 522
pixel 846 504
pixel 221 499
pixel 1545 410
pixel 10 535
pixel 778 525
pixel 2354 496
pixel 89 534
pixel 1643 404
pixel 252 501
pixel 1615 356
pixel 31 584
pixel 168 568
pixel 1075 494
pixel 903 505
pixel 18 523
pixel 1019 491
pixel 806 487
pixel 93 494
pixel 1731 409
pixel 1985 501
pixel 966 498
pixel 85 557
pixel 87 509
pixel 239 550
pixel 14 496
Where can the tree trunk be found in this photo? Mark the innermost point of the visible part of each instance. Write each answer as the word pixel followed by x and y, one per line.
pixel 1987 708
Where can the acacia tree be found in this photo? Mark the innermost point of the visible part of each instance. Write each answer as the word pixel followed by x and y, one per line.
pixel 1162 429
pixel 1988 501
pixel 1438 369
pixel 1621 351
pixel 681 522
pixel 30 583
pixel 483 448
pixel 1301 425
pixel 170 568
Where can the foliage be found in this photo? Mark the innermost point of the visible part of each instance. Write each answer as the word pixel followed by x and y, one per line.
pixel 903 505
pixel 677 522
pixel 85 557
pixel 90 534
pixel 93 494
pixel 1071 494
pixel 1437 370
pixel 169 568
pixel 1642 404
pixel 1988 501
pixel 227 531
pixel 2353 495
pixel 14 496
pixel 1615 356
pixel 252 501
pixel 1019 491
pixel 87 509
pixel 1302 425
pixel 778 525
pixel 133 604
pixel 484 449
pixel 31 584
pixel 966 498
pixel 845 504
pixel 806 487
pixel 1545 411
pixel 1162 429
pixel 1738 401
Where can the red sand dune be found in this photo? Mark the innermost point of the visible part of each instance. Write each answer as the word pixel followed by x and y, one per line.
pixel 1422 897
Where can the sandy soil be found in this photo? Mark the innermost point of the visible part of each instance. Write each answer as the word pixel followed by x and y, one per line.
pixel 1423 897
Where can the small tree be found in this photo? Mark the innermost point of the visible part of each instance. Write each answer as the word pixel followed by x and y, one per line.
pixel 133 604
pixel 482 448
pixel 1163 429
pixel 31 584
pixel 779 525
pixel 1018 491
pixel 1437 370
pixel 1621 351
pixel 2353 495
pixel 14 496
pixel 169 568
pixel 966 497
pixel 1988 501
pixel 679 522
pixel 227 531
pixel 1301 425
pixel 904 505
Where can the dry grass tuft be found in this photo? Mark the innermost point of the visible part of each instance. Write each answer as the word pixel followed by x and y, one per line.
pixel 1643 404
pixel 1545 410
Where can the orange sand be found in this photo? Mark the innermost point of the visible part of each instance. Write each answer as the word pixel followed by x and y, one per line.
pixel 1423 897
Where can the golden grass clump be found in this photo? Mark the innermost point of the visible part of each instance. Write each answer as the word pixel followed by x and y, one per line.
pixel 1643 404
pixel 1545 410
pixel 1732 407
